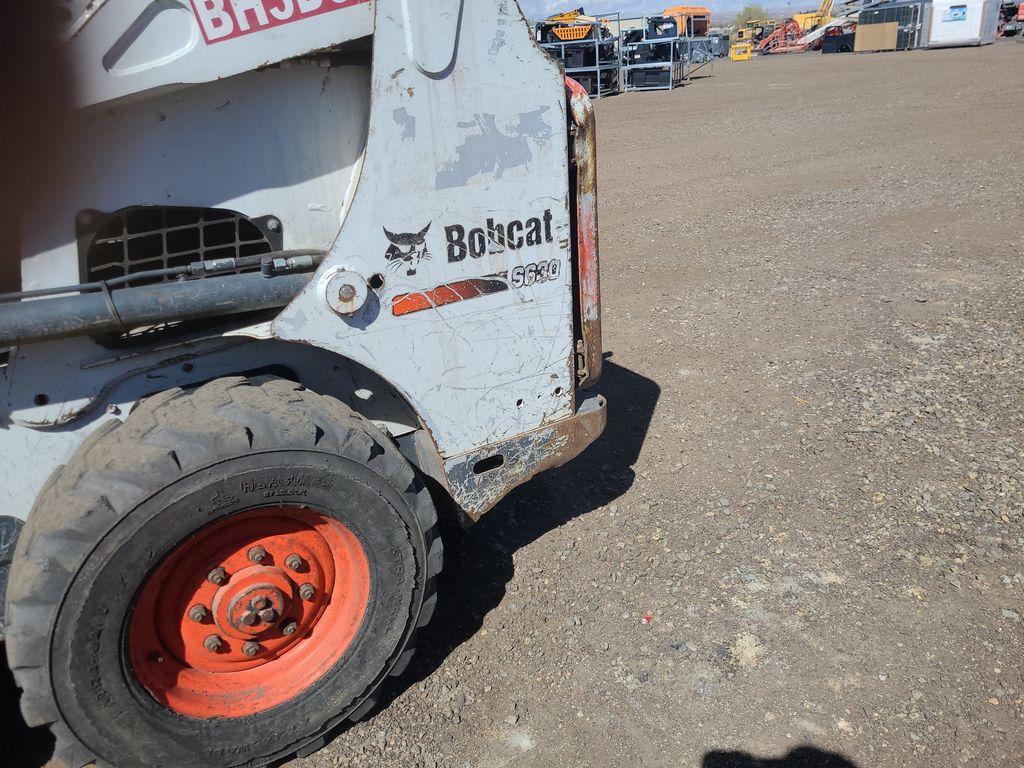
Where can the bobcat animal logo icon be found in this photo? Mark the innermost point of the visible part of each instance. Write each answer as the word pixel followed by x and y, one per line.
pixel 407 250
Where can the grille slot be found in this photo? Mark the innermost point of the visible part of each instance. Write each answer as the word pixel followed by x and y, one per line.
pixel 143 238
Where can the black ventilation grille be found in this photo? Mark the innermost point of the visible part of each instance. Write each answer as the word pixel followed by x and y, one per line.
pixel 156 237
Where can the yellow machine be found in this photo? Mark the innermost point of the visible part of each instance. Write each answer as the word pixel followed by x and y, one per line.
pixel 740 51
pixel 754 30
pixel 814 19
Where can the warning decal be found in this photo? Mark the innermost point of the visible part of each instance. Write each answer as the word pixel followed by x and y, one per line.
pixel 223 20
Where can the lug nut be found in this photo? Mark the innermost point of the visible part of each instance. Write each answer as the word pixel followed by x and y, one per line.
pixel 259 603
pixel 217 576
pixel 257 555
pixel 289 628
pixel 306 591
pixel 197 612
pixel 213 643
pixel 250 648
pixel 293 562
pixel 249 619
pixel 269 615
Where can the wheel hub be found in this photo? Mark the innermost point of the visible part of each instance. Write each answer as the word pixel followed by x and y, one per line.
pixel 217 631
pixel 254 601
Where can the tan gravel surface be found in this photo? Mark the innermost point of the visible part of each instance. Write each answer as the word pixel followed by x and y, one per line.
pixel 803 525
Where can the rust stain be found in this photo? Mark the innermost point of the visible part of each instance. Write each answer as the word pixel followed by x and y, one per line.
pixel 583 137
pixel 523 456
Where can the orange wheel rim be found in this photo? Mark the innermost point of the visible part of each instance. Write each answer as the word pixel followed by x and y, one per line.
pixel 249 612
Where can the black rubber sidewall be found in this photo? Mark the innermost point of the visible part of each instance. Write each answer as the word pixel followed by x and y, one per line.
pixel 114 716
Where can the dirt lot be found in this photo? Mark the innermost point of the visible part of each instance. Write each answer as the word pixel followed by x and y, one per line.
pixel 803 527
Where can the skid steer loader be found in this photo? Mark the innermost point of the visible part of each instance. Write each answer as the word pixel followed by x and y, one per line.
pixel 314 267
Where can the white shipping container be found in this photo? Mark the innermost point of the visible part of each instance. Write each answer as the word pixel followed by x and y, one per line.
pixel 963 22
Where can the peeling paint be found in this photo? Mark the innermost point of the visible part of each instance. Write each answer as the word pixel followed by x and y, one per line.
pixel 491 151
pixel 406 121
pixel 523 457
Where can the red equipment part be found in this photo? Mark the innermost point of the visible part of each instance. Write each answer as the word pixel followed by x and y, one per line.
pixel 783 39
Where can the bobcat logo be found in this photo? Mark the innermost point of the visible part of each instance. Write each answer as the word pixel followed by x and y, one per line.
pixel 407 250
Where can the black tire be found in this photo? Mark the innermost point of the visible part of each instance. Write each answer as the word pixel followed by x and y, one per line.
pixel 132 492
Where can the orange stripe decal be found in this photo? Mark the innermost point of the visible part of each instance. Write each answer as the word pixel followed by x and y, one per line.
pixel 450 293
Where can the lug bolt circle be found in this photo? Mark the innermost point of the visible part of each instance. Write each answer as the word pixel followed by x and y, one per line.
pixel 306 591
pixel 269 615
pixel 250 648
pixel 213 643
pixel 294 562
pixel 259 603
pixel 289 628
pixel 257 554
pixel 217 576
pixel 197 612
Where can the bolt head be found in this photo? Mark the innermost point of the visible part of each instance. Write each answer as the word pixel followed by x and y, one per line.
pixel 269 615
pixel 306 591
pixel 294 562
pixel 273 225
pixel 213 643
pixel 259 603
pixel 290 627
pixel 347 292
pixel 217 576
pixel 249 619
pixel 250 648
pixel 197 612
pixel 257 555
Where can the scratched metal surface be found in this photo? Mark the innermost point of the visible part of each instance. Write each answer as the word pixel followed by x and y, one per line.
pixel 123 48
pixel 467 123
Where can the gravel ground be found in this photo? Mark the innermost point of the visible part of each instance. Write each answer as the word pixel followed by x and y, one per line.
pixel 799 542
pixel 800 537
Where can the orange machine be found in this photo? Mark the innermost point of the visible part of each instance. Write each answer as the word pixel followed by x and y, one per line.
pixel 692 20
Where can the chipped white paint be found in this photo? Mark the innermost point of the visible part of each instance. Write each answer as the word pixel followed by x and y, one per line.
pixel 485 145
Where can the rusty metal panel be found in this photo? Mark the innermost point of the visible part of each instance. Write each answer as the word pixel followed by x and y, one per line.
pixel 584 149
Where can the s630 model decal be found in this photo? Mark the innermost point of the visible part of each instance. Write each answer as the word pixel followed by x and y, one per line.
pixel 471 288
pixel 223 20
pixel 535 273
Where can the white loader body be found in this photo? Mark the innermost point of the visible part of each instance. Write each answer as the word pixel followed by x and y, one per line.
pixel 427 147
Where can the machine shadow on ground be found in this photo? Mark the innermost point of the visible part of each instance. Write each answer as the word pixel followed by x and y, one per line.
pixel 800 757
pixel 478 561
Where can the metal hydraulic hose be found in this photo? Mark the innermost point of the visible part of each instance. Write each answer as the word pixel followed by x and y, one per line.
pixel 127 308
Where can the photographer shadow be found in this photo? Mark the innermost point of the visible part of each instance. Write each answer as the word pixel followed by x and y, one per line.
pixel 478 560
pixel 800 757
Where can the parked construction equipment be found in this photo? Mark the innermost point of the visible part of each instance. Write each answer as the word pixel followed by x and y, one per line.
pixel 664 53
pixel 588 48
pixel 787 36
pixel 319 269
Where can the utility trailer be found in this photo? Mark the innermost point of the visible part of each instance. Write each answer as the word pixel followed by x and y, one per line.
pixel 312 270
pixel 663 53
pixel 588 48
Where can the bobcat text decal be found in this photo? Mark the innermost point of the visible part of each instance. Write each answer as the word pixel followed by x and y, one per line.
pixel 223 20
pixel 497 236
